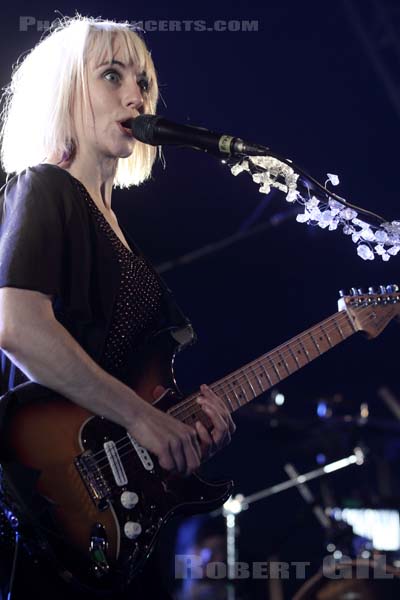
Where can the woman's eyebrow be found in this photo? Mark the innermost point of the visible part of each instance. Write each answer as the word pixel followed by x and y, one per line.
pixel 113 62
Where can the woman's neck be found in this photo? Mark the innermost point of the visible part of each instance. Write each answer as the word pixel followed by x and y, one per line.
pixel 97 177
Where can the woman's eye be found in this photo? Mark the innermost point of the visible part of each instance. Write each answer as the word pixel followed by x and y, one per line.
pixel 112 76
pixel 143 83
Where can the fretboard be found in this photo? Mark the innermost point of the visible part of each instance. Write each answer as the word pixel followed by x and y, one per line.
pixel 258 376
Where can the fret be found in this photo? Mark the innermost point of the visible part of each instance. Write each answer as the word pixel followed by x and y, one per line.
pixel 335 336
pixel 236 396
pixel 352 327
pixel 242 393
pixel 275 369
pixel 229 401
pixel 198 414
pixel 289 357
pixel 348 326
pixel 234 384
pixel 294 356
pixel 267 374
pixel 218 389
pixel 327 336
pixel 249 384
pixel 191 418
pixel 321 340
pixel 315 344
pixel 205 419
pixel 339 329
pixel 304 349
pixel 284 362
pixel 257 379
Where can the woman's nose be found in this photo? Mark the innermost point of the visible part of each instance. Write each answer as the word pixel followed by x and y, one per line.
pixel 134 97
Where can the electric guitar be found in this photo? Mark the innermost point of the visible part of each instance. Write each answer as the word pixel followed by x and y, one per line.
pixel 103 497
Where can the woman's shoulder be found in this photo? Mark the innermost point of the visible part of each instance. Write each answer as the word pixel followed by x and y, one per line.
pixel 46 175
pixel 39 185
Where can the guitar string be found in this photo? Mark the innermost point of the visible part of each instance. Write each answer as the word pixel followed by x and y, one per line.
pixel 294 344
pixel 189 402
pixel 195 409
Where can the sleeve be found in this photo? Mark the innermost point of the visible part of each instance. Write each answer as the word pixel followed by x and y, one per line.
pixel 32 234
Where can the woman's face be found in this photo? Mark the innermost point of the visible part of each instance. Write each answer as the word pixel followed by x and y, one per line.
pixel 116 94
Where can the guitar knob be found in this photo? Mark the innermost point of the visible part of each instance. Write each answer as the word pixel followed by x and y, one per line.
pixel 132 530
pixel 129 499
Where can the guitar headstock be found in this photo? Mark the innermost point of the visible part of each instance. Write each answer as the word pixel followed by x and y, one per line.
pixel 371 311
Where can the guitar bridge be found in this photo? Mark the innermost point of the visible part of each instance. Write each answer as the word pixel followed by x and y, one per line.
pixel 93 479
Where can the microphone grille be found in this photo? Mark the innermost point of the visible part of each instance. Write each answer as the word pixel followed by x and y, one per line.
pixel 143 128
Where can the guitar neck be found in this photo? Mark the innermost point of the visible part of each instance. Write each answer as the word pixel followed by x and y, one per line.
pixel 258 376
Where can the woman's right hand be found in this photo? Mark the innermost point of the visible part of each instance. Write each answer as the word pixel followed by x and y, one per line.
pixel 175 444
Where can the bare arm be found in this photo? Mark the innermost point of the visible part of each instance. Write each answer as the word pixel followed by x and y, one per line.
pixel 45 351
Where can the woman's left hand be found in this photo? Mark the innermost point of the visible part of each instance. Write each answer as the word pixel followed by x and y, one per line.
pixel 220 417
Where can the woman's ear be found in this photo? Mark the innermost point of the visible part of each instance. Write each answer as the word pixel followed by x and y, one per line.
pixel 69 152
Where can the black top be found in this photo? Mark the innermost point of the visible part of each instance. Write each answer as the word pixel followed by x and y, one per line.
pixel 137 304
pixel 54 239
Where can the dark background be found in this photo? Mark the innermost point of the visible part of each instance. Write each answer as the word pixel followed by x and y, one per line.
pixel 318 83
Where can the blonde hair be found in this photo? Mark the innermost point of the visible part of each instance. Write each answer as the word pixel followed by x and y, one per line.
pixel 37 114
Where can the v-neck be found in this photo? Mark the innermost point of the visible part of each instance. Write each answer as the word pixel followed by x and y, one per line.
pixel 105 221
pixel 130 247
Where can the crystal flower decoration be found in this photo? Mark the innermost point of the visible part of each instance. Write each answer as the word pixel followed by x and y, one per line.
pixel 328 213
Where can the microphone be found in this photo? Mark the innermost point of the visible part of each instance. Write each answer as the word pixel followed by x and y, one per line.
pixel 157 131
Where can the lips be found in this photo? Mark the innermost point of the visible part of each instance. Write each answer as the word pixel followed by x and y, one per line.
pixel 126 130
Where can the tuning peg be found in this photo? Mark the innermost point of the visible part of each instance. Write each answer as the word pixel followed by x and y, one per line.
pixel 382 289
pixel 360 291
pixel 372 290
pixel 354 291
pixel 342 293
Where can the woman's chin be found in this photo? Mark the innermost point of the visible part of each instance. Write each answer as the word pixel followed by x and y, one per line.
pixel 125 151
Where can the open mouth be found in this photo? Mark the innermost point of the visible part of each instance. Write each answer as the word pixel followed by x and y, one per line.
pixel 126 130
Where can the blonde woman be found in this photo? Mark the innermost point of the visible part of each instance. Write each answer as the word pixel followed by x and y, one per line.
pixel 76 296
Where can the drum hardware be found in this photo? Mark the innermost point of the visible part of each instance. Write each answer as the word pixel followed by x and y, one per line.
pixel 391 401
pixel 235 505
pixel 308 497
